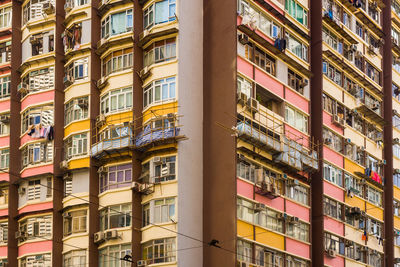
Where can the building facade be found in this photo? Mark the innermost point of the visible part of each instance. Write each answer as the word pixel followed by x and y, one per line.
pixel 200 133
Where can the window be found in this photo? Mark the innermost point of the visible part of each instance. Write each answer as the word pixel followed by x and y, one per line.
pixel 37 153
pixel 159 91
pixel 374 196
pixel 117 61
pixel 268 257
pixel 5 86
pixel 159 251
pixel 244 86
pixel 5 52
pixel 67 187
pixel 74 258
pixel 161 51
pixel 34 10
pixel 264 61
pixel 296 82
pixel 246 170
pixel 332 40
pixel 333 174
pixel 37 44
pixel 396 90
pixel 75 3
pixel 353 185
pixel 3 232
pixel 75 222
pixel 3 195
pixel 332 73
pixel 296 262
pixel 37 118
pixel 298 230
pixel 333 208
pixel 110 256
pixel 77 70
pixel 116 177
pixel 396 121
pixel 396 179
pixel 335 243
pixel 160 12
pixel 332 140
pixel 42 260
pixel 296 119
pixel 5 17
pixel 159 211
pixel 39 80
pixel 34 190
pixel 116 101
pixel 115 217
pixel 72 37
pixel 297 47
pixel 76 109
pixel 245 210
pixel 4 158
pixel 76 145
pixel 117 23
pixel 296 11
pixel 297 193
pixel 244 251
pixel 372 72
pixel 36 227
pixel 269 219
pixel 164 170
pixel 375 259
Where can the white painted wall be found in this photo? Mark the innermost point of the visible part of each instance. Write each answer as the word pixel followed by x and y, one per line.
pixel 190 152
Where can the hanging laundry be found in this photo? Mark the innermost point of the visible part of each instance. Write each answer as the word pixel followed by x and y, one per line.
pixel 365 236
pixel 31 130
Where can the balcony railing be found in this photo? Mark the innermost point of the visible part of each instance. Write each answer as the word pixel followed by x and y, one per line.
pixel 123 141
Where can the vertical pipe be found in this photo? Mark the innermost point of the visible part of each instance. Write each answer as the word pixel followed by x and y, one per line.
pixel 388 136
pixel 317 225
pixel 219 147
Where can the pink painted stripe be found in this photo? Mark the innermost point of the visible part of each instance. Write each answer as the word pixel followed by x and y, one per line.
pixel 296 135
pixel 36 207
pixel 4 212
pixel 245 67
pixel 34 247
pixel 334 157
pixel 275 7
pixel 277 203
pixel 297 210
pixel 333 191
pixel 337 262
pixel 3 251
pixel 244 189
pixel 4 141
pixel 37 98
pixel 4 105
pixel 297 248
pixel 333 226
pixel 268 82
pixel 37 170
pixel 4 177
pixel 297 100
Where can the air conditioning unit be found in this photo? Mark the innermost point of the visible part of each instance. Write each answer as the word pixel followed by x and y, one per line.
pixel 101 119
pixel 396 140
pixel 21 190
pixel 259 207
pixel 144 73
pixel 242 98
pixel 111 234
pixel 332 253
pixel 294 219
pixel 355 211
pixel 353 47
pixel 141 263
pixel 243 39
pixel 20 235
pixel 48 8
pixel 165 170
pixel 83 103
pixel 145 188
pixel 64 164
pixel 67 80
pixel 157 160
pixel 253 104
pixel 337 120
pixel 5 119
pixel 22 88
pixel 98 237
pixel 67 7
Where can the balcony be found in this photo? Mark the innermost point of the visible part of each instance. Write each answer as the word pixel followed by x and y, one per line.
pixel 269 46
pixel 338 27
pixel 105 5
pixel 369 22
pixel 155 32
pixel 370 113
pixel 353 71
pixel 107 42
pixel 371 177
pixel 114 143
pixel 159 131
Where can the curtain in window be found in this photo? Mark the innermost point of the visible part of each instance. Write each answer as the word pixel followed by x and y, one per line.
pixel 161 12
pixel 299 14
pixel 118 23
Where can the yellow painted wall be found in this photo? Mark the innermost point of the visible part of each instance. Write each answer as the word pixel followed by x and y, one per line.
pixel 355 202
pixel 118 80
pixel 332 89
pixel 351 166
pixel 396 192
pixel 73 241
pixel 396 77
pixel 396 251
pixel 244 229
pixel 397 222
pixel 114 197
pixel 374 149
pixel 72 201
pixel 160 110
pixel 351 263
pixel 77 127
pixel 356 137
pixel 270 239
pixel 375 211
pixel 79 163
pixel 169 189
pixel 154 232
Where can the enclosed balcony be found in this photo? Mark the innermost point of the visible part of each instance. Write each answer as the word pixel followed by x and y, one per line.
pixel 113 141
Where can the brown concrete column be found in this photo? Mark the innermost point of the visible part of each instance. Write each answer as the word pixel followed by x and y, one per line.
pixel 137 113
pixel 58 183
pixel 219 171
pixel 317 222
pixel 388 136
pixel 95 75
pixel 15 121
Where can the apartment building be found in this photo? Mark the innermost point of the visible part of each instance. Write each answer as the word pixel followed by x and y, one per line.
pixel 199 133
